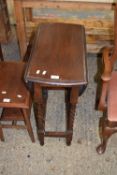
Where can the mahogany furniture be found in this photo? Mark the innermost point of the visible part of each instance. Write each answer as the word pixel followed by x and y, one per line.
pixel 108 99
pixel 15 98
pixel 57 61
pixel 5 29
pixel 1 54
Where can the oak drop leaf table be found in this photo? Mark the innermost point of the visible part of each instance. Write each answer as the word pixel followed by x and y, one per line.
pixel 57 61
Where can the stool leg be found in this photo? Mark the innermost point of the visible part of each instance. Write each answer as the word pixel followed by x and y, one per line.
pixel 71 113
pixel 1 55
pixel 40 107
pixel 14 122
pixel 28 124
pixel 1 133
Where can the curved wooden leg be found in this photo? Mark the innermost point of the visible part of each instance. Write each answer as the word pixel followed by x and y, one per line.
pixel 105 135
pixel 102 147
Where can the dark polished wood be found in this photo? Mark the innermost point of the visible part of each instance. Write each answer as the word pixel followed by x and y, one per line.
pixel 57 61
pixel 58 49
pixel 108 99
pixel 108 128
pixel 11 83
pixel 15 98
pixel 1 54
pixel 108 123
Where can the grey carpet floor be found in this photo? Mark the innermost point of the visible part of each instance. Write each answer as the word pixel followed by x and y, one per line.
pixel 18 156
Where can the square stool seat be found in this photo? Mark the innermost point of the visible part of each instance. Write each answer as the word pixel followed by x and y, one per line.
pixel 112 98
pixel 13 92
pixel 15 98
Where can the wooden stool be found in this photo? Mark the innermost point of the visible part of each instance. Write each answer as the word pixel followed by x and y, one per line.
pixel 57 61
pixel 15 98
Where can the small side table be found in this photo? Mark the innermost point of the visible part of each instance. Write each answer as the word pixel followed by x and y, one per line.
pixel 57 60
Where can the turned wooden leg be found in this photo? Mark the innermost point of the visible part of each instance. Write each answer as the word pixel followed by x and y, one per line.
pixel 67 103
pixel 1 133
pixel 14 122
pixel 105 134
pixel 40 108
pixel 1 55
pixel 28 124
pixel 71 113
